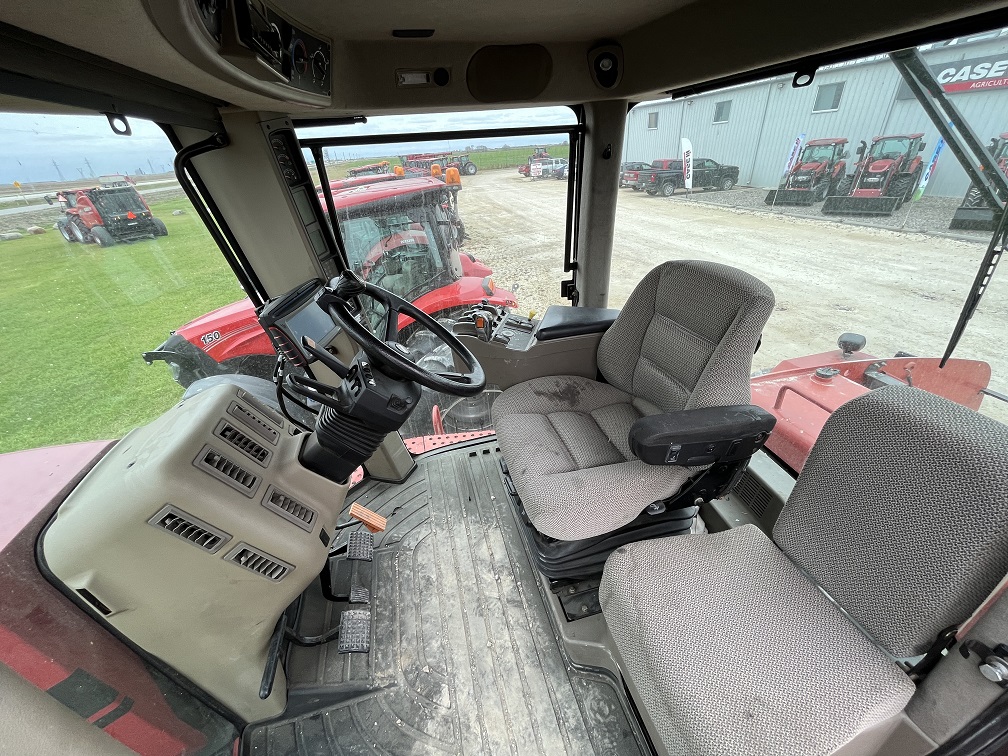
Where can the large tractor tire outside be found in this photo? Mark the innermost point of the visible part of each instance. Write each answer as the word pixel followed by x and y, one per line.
pixel 821 191
pixel 64 228
pixel 78 233
pixel 974 198
pixel 469 169
pixel 102 236
pixel 844 186
pixel 901 187
pixel 668 189
pixel 160 229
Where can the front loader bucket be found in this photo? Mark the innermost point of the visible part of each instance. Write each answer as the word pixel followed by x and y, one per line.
pixel 973 219
pixel 790 197
pixel 843 205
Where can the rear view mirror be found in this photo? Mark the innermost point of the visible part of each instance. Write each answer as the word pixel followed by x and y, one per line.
pixel 922 146
pixel 861 148
pixel 844 155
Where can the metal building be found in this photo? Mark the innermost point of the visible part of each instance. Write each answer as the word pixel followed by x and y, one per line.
pixel 754 125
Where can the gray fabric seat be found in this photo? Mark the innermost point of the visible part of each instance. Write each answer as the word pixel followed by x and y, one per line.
pixel 729 641
pixel 684 340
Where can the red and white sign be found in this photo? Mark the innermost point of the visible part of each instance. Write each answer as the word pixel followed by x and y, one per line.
pixel 972 75
pixel 687 164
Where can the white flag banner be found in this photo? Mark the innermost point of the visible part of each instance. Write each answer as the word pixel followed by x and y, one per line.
pixel 794 154
pixel 687 164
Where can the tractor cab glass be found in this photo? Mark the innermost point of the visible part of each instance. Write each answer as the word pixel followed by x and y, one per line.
pixel 891 148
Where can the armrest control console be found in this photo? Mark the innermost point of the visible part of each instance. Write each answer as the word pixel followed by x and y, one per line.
pixel 701 436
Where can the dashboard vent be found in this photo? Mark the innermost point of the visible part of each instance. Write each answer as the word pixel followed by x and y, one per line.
pixel 244 443
pixel 227 471
pixel 265 411
pixel 258 562
pixel 188 528
pixel 255 421
pixel 289 508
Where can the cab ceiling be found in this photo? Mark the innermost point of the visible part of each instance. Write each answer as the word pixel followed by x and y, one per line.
pixel 668 44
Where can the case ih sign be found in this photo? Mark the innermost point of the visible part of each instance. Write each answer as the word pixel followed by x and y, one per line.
pixel 973 74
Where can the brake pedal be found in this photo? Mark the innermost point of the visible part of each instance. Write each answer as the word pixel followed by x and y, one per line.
pixel 360 546
pixel 354 632
pixel 360 595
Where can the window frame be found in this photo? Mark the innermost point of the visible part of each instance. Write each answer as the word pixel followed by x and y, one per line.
pixel 654 114
pixel 727 115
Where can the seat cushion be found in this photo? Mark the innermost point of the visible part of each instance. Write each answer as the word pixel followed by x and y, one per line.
pixel 734 652
pixel 565 440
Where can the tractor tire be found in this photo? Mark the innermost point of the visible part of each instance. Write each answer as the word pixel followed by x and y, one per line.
pixel 64 228
pixel 974 198
pixel 914 182
pixel 79 234
pixel 844 186
pixel 668 189
pixel 102 236
pixel 900 187
pixel 469 169
pixel 727 183
pixel 160 229
pixel 820 192
pixel 652 192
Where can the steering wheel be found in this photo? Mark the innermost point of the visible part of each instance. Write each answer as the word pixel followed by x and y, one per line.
pixel 388 352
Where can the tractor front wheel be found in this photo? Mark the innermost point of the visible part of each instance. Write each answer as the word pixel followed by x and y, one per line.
pixel 469 169
pixel 78 233
pixel 64 228
pixel 821 191
pixel 668 189
pixel 160 229
pixel 901 186
pixel 727 183
pixel 844 186
pixel 102 236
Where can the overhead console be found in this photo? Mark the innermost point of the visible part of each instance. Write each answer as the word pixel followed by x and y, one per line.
pixel 251 44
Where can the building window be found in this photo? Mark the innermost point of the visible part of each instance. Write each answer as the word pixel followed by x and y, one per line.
pixel 652 119
pixel 828 97
pixel 721 111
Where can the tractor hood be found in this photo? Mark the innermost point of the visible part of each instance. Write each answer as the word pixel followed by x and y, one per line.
pixel 881 165
pixel 813 167
pixel 223 319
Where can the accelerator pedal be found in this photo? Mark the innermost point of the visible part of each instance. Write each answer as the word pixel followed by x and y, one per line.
pixel 359 595
pixel 354 632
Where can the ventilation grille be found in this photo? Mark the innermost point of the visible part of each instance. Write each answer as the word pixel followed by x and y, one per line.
pixel 289 509
pixel 259 562
pixel 227 471
pixel 753 494
pixel 189 528
pixel 265 411
pixel 243 443
pixel 255 421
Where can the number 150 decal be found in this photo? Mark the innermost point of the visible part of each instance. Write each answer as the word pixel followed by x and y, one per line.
pixel 210 338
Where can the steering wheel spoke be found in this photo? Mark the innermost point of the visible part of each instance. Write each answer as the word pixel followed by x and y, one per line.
pixel 457 377
pixel 392 323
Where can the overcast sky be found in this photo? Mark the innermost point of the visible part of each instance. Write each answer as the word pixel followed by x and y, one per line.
pixel 30 144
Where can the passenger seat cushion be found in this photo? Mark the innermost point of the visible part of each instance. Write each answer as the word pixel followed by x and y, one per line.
pixel 565 440
pixel 894 471
pixel 734 652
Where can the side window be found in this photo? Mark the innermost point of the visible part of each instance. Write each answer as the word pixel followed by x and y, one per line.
pixel 721 111
pixel 652 119
pixel 828 97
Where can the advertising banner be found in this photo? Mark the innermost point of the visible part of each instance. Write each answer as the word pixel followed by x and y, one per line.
pixel 796 147
pixel 687 164
pixel 919 192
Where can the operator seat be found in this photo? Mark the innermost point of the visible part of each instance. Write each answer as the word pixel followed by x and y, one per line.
pixel 734 643
pixel 684 340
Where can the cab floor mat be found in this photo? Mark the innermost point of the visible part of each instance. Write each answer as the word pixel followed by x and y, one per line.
pixel 463 657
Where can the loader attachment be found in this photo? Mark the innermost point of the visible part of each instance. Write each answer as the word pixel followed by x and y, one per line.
pixel 846 205
pixel 973 219
pixel 790 197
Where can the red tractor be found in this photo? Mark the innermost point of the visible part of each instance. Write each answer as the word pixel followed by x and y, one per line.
pixel 884 178
pixel 421 164
pixel 538 153
pixel 374 169
pixel 105 214
pixel 398 234
pixel 974 214
pixel 816 175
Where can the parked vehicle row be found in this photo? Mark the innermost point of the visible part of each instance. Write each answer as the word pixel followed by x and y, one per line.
pixel 665 176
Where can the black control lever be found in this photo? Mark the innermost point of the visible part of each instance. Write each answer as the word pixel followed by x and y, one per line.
pixel 324 357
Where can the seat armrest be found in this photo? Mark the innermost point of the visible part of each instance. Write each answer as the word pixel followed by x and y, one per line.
pixel 701 436
pixel 560 322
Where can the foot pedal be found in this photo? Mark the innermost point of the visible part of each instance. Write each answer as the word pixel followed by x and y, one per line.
pixel 360 595
pixel 354 632
pixel 360 546
pixel 372 520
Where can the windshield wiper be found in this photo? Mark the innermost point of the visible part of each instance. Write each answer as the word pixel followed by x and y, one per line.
pixel 974 158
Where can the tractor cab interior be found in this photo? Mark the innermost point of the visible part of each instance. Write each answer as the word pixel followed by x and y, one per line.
pixel 442 523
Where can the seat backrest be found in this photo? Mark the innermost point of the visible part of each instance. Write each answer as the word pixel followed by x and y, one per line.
pixel 686 337
pixel 901 514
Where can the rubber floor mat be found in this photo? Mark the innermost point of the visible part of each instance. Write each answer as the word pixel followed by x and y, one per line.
pixel 463 657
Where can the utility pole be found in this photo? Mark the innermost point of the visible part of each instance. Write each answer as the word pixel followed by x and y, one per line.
pixel 58 171
pixel 151 165
pixel 81 172
pixel 89 168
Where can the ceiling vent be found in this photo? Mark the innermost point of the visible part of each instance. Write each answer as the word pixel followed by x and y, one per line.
pixel 243 443
pixel 189 528
pixel 289 508
pixel 227 471
pixel 259 562
pixel 255 421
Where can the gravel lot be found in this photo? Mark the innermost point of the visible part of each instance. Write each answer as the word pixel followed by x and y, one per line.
pixel 902 289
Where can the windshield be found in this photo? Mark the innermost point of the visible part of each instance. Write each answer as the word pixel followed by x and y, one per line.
pixel 890 147
pixel 817 153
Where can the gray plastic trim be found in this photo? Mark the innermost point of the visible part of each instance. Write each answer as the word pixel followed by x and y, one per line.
pixel 244 487
pixel 267 501
pixel 158 519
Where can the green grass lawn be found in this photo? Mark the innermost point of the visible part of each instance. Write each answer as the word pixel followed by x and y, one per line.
pixel 74 319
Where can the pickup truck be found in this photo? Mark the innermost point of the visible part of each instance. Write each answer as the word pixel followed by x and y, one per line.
pixel 666 176
pixel 630 175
